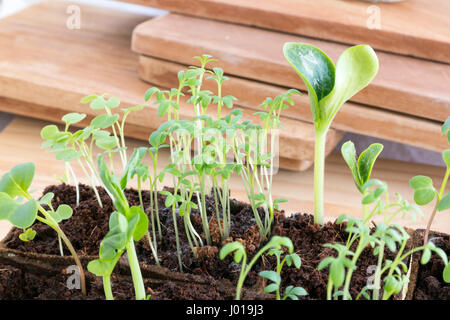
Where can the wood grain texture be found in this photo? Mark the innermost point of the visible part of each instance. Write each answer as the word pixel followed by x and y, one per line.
pixel 403 84
pixel 45 66
pixel 20 142
pixel 352 117
pixel 419 28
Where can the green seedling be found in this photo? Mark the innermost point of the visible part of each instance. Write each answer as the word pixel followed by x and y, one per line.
pixel 393 273
pixel 110 121
pixel 126 225
pixel 19 208
pixel 136 167
pixel 69 147
pixel 290 292
pixel 374 192
pixel 240 256
pixel 329 87
pixel 338 267
pixel 361 168
pixel 424 191
pixel 255 165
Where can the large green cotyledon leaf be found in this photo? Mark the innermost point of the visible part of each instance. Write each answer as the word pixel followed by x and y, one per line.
pixel 356 68
pixel 316 70
pixel 329 86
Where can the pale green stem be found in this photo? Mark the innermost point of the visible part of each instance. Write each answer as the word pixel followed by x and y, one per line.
pixel 319 173
pixel 107 288
pixel 136 275
pixel 438 198
pixel 377 280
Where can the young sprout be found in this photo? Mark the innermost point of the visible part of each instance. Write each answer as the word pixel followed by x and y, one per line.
pixel 136 167
pixel 424 191
pixel 69 147
pixel 127 224
pixel 180 144
pixel 338 267
pixel 156 140
pixel 290 292
pixel 329 87
pixel 240 256
pixel 393 273
pixel 361 168
pixel 173 199
pixel 373 191
pixel 23 214
pixel 256 167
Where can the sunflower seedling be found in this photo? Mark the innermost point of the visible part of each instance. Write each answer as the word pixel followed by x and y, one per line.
pixel 329 87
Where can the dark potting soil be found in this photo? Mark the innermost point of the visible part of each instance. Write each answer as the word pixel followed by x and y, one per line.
pixel 430 284
pixel 17 284
pixel 89 224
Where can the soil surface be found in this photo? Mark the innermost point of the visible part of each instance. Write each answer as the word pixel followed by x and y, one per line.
pixel 19 284
pixel 430 284
pixel 89 225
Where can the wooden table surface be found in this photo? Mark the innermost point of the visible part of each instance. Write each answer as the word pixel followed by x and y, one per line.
pixel 46 68
pixel 20 142
pixel 403 84
pixel 419 28
pixel 353 117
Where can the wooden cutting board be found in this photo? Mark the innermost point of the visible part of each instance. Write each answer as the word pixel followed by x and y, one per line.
pixel 403 84
pixel 419 28
pixel 46 68
pixel 352 117
pixel 20 142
